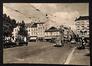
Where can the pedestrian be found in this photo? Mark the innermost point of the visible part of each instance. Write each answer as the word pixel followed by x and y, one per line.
pixel 25 39
pixel 62 41
pixel 82 43
pixel 59 41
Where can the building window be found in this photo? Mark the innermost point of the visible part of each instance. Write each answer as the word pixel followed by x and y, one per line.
pixel 77 23
pixel 29 33
pixel 87 25
pixel 82 26
pixel 78 26
pixel 38 33
pixel 78 29
pixel 15 29
pixel 32 29
pixel 32 33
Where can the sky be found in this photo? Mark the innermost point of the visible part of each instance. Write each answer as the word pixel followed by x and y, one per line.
pixel 58 13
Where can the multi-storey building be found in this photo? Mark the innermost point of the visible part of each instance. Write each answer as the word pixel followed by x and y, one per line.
pixel 41 29
pixel 82 26
pixel 36 29
pixel 51 33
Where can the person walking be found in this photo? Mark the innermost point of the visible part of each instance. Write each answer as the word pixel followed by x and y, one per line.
pixel 62 36
pixel 58 41
pixel 81 43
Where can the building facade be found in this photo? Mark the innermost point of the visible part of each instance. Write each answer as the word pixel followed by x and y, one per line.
pixel 52 32
pixel 82 26
pixel 36 29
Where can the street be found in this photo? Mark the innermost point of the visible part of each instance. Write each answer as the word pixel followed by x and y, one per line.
pixel 38 52
pixel 60 32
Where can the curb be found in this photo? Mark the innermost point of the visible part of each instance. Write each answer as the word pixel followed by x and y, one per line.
pixel 70 56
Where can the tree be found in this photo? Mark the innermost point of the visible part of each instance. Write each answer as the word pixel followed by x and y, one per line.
pixel 23 30
pixel 8 25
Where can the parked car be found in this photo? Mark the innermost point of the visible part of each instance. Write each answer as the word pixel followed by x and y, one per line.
pixel 73 41
pixel 8 44
pixel 53 40
pixel 58 42
pixel 22 40
pixel 48 38
pixel 57 45
pixel 33 38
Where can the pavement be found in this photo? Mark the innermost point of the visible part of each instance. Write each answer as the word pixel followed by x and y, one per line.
pixel 79 57
pixel 40 52
pixel 43 52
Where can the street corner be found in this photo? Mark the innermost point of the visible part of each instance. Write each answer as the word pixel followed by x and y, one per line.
pixel 80 57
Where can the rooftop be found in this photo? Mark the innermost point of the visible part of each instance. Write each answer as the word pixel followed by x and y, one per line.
pixel 82 18
pixel 52 29
pixel 33 24
pixel 28 24
pixel 40 23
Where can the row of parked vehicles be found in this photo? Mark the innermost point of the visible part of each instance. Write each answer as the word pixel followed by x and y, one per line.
pixel 10 42
pixel 53 40
pixel 23 40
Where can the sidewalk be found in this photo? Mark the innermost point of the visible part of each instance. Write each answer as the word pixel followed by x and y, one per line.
pixel 79 57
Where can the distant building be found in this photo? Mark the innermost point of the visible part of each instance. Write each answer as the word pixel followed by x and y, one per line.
pixel 36 29
pixel 82 26
pixel 40 30
pixel 51 32
pixel 67 33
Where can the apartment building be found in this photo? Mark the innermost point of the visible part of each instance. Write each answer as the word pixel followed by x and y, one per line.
pixel 82 26
pixel 36 29
pixel 51 32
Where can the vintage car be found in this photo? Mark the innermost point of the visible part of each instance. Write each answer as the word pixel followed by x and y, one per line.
pixel 58 42
pixel 7 43
pixel 33 38
pixel 73 41
pixel 22 40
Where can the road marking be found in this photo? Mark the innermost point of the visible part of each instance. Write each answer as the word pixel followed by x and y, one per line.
pixel 69 56
pixel 20 59
pixel 46 46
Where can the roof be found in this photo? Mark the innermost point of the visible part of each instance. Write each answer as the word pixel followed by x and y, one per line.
pixel 34 25
pixel 52 29
pixel 40 23
pixel 82 18
pixel 28 24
